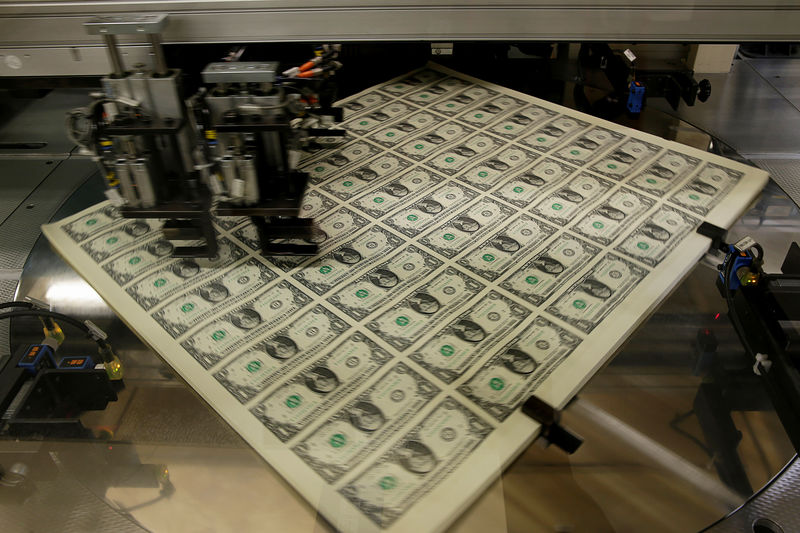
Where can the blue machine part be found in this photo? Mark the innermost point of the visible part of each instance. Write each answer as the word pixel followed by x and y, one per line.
pixel 36 357
pixel 740 259
pixel 635 97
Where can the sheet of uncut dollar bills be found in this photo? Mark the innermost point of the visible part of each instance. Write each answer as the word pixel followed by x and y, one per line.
pixel 477 246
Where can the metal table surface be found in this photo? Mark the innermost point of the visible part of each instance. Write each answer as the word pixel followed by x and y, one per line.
pixel 648 459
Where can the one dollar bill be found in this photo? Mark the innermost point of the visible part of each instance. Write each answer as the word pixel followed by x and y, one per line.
pixel 182 313
pixel 568 201
pixel 157 287
pixel 139 260
pixel 493 257
pixel 347 438
pixel 454 349
pixel 342 263
pixel 526 186
pixel 421 459
pixel 598 292
pixel 550 268
pixel 652 240
pixel 406 188
pixel 706 189
pixel 119 238
pixel 504 382
pixel 366 293
pixel 427 307
pixel 90 224
pixel 665 173
pixel 616 213
pixel 272 356
pixel 219 338
pixel 457 234
pixel 296 403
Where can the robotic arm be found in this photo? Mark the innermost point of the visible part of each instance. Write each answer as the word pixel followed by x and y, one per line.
pixel 232 149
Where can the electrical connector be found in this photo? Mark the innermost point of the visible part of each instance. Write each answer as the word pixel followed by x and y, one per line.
pixel 291 72
pixel 53 331
pixel 95 332
pixel 310 73
pixel 310 63
pixel 748 277
pixel 114 369
pixel 743 244
pixel 111 363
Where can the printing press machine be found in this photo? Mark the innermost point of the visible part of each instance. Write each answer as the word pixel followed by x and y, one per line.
pixel 680 433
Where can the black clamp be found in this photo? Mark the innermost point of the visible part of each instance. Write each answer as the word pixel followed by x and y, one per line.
pixel 552 431
pixel 716 234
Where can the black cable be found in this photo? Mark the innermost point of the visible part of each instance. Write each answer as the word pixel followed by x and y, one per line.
pixel 48 314
pixel 56 316
pixel 287 86
pixel 26 305
pixel 760 251
pixel 49 324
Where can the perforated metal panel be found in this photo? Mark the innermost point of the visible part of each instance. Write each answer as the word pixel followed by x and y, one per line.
pixel 64 505
pixel 778 502
pixel 786 173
